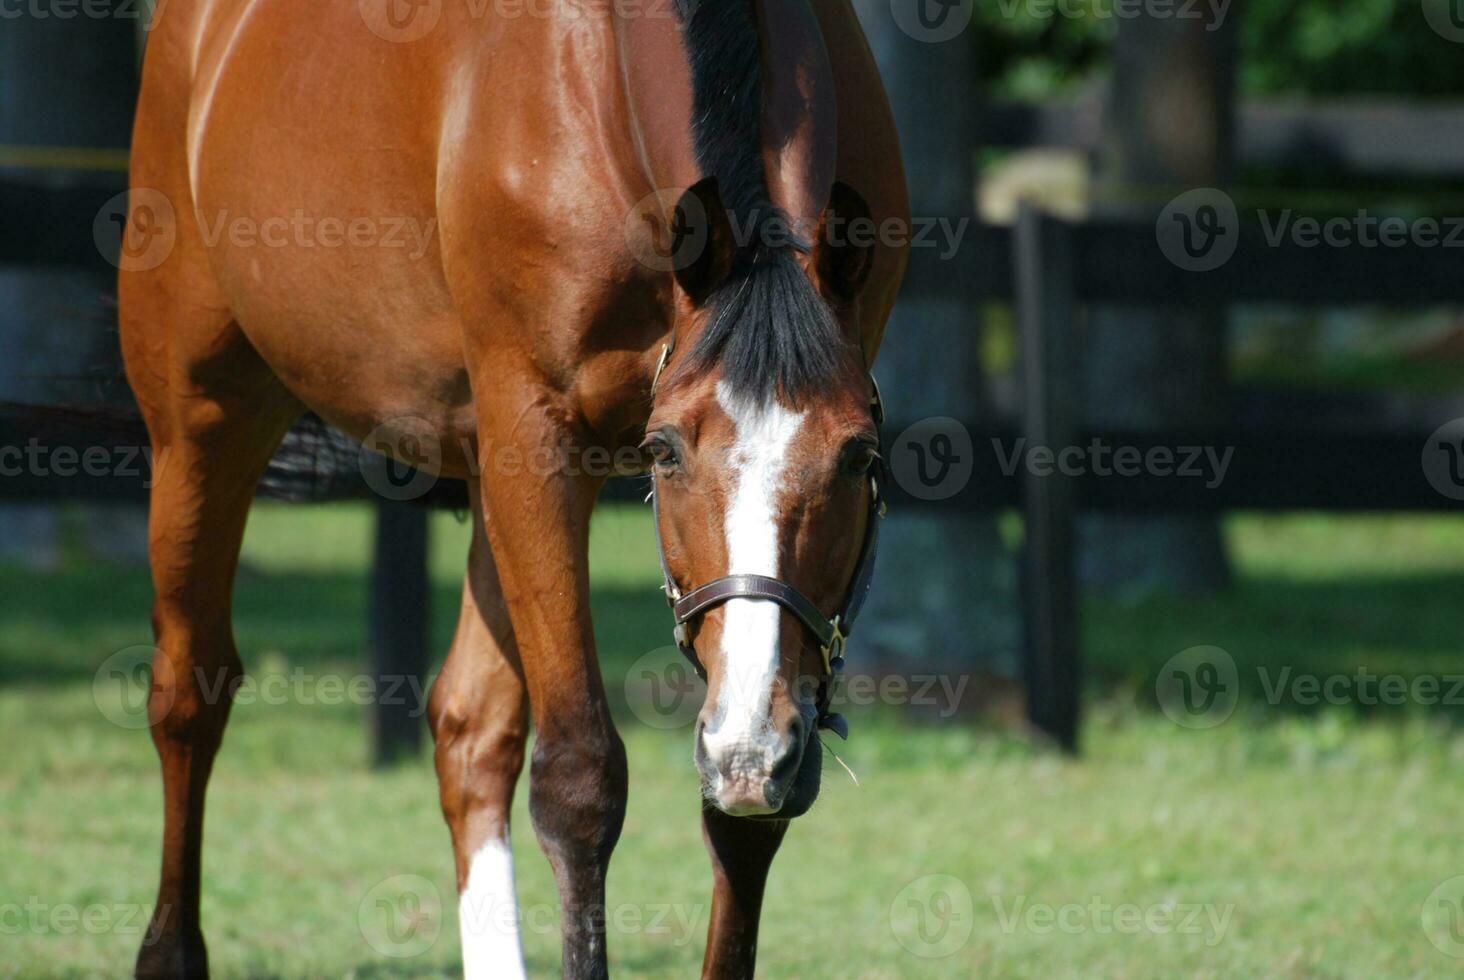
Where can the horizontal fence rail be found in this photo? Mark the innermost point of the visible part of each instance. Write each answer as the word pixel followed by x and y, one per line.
pixel 1120 262
pixel 1282 464
pixel 1117 260
pixel 1377 137
pixel 1202 470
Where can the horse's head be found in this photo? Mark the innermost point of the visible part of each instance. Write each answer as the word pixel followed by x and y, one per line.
pixel 764 444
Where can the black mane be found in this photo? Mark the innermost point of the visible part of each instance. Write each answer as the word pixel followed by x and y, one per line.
pixel 767 326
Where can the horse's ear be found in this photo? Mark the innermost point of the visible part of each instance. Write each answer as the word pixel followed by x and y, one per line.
pixel 845 248
pixel 707 250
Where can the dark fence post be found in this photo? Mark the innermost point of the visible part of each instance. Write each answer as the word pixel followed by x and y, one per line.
pixel 399 617
pixel 68 86
pixel 1045 293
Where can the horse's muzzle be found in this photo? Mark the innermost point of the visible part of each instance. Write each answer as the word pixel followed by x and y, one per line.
pixel 752 780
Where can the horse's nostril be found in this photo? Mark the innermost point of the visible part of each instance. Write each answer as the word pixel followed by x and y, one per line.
pixel 787 767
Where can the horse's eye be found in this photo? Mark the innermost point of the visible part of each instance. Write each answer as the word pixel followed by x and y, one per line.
pixel 860 458
pixel 661 450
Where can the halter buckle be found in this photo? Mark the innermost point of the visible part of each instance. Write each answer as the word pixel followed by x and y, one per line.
pixel 833 651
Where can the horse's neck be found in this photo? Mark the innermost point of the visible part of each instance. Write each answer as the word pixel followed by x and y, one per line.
pixel 800 111
pixel 657 80
pixel 799 115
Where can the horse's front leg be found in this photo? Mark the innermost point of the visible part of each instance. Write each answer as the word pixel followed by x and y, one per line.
pixel 537 514
pixel 741 850
pixel 480 719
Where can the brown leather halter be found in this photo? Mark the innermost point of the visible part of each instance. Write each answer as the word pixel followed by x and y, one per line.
pixel 832 632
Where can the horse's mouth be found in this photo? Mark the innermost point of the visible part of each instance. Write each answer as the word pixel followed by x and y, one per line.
pixel 801 794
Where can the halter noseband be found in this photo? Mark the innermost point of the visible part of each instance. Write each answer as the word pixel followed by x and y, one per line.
pixel 832 632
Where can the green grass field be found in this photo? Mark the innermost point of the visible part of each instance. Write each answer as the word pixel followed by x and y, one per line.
pixel 1291 840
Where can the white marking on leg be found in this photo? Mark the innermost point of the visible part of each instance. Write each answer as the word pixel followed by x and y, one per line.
pixel 743 741
pixel 488 916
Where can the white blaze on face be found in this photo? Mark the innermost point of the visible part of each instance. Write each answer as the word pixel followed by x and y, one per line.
pixel 488 916
pixel 739 737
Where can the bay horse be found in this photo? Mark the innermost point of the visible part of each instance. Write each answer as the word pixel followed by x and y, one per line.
pixel 537 317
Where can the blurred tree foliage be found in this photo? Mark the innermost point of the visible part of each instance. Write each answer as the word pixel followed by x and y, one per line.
pixel 1028 50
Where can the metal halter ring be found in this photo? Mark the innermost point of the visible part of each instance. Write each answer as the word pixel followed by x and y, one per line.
pixel 833 651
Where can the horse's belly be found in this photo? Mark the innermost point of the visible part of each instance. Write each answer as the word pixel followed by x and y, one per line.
pixel 360 338
pixel 362 371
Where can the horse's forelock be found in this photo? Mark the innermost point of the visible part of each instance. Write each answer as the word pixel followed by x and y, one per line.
pixel 767 326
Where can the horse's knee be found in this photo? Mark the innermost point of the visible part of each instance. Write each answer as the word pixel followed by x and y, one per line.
pixel 477 766
pixel 578 791
pixel 448 713
pixel 194 676
pixel 479 751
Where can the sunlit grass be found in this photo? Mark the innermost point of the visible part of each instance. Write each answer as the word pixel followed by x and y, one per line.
pixel 1304 842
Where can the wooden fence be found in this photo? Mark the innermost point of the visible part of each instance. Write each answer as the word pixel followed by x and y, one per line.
pixel 1378 137
pixel 1052 271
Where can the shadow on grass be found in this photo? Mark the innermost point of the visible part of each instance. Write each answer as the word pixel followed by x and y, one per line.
pixel 656 963
pixel 56 629
pixel 1279 633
